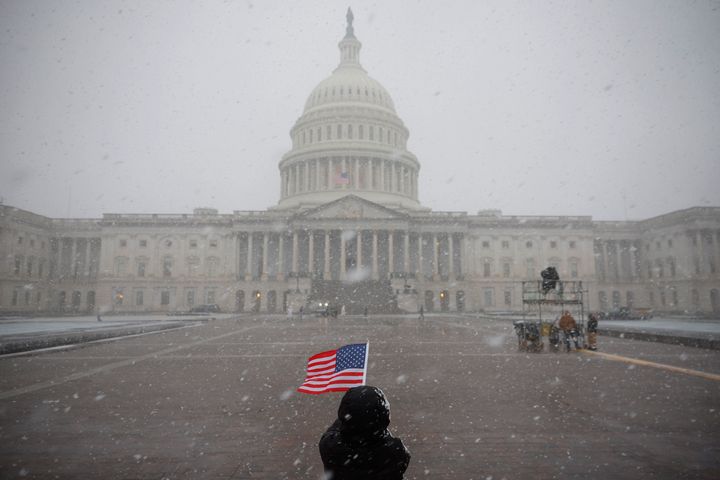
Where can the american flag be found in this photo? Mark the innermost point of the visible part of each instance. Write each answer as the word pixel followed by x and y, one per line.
pixel 336 370
pixel 342 178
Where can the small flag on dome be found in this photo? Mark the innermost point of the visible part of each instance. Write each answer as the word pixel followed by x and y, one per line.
pixel 342 178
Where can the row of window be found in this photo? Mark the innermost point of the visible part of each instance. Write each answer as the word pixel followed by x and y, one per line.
pixel 28 266
pixel 212 266
pixel 505 244
pixel 31 241
pixel 349 132
pixel 531 267
pixel 662 268
pixel 192 243
pixel 352 93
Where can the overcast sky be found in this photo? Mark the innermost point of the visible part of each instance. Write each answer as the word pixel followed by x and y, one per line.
pixel 605 108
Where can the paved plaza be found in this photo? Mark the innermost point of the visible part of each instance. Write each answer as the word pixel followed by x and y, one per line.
pixel 217 400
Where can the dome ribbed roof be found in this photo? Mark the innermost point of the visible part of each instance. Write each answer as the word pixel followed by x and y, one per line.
pixel 349 84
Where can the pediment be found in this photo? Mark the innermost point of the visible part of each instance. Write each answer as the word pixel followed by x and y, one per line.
pixel 352 207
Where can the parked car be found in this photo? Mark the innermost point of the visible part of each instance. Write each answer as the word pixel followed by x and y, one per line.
pixel 206 308
pixel 627 313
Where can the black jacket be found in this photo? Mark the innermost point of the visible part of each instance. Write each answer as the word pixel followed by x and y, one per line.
pixel 358 445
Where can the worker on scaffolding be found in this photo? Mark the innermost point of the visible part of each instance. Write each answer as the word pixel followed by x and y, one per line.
pixel 568 325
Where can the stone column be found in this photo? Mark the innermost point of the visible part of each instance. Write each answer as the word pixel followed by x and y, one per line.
pixel 327 273
pixel 343 168
pixel 436 269
pixel 382 175
pixel 296 179
pixel 375 273
pixel 358 245
pixel 356 180
pixel 248 267
pixel 371 179
pixel 264 256
pixel 281 255
pixel 317 175
pixel 406 252
pixel 342 255
pixel 330 168
pixel 391 251
pixel 311 252
pixel 420 256
pixel 306 167
pixel 451 267
pixel 392 176
pixel 295 253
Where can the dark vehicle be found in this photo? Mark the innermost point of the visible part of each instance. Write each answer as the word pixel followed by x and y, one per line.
pixel 207 308
pixel 626 313
pixel 325 309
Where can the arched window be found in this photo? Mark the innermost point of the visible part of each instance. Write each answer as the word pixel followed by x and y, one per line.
pixel 350 132
pixel 380 134
pixel 339 132
pixel 319 134
pixel 361 132
pixel 328 130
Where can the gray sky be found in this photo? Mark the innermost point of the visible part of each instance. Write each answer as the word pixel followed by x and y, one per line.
pixel 609 109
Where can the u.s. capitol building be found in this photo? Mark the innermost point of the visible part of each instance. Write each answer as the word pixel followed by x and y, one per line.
pixel 349 229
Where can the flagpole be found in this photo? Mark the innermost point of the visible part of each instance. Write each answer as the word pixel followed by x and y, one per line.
pixel 367 350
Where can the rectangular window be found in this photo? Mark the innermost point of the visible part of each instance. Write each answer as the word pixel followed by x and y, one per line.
pixel 165 297
pixel 167 267
pixel 18 265
pixel 29 266
pixel 139 297
pixel 573 269
pixel 486 244
pixel 506 270
pixel 505 244
pixel 123 243
pixel 213 243
pixel 15 297
pixel 20 240
pixel 32 242
pixel 211 296
pixel 141 269
pixel 486 269
pixel 508 298
pixel 572 244
pixel 193 243
pixel 488 297
pixel 143 243
pixel 553 244
pixel 190 298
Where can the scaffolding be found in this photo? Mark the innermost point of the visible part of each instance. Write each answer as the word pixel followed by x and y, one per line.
pixel 543 306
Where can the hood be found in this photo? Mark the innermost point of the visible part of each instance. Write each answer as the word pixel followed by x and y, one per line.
pixel 364 411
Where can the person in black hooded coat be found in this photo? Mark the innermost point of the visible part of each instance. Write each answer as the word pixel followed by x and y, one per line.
pixel 358 445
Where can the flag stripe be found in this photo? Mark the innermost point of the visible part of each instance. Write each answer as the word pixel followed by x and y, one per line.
pixel 336 370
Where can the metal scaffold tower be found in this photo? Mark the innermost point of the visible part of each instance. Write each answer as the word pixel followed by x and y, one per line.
pixel 543 307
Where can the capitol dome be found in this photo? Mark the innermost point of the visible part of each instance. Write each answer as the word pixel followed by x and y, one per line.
pixel 349 140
